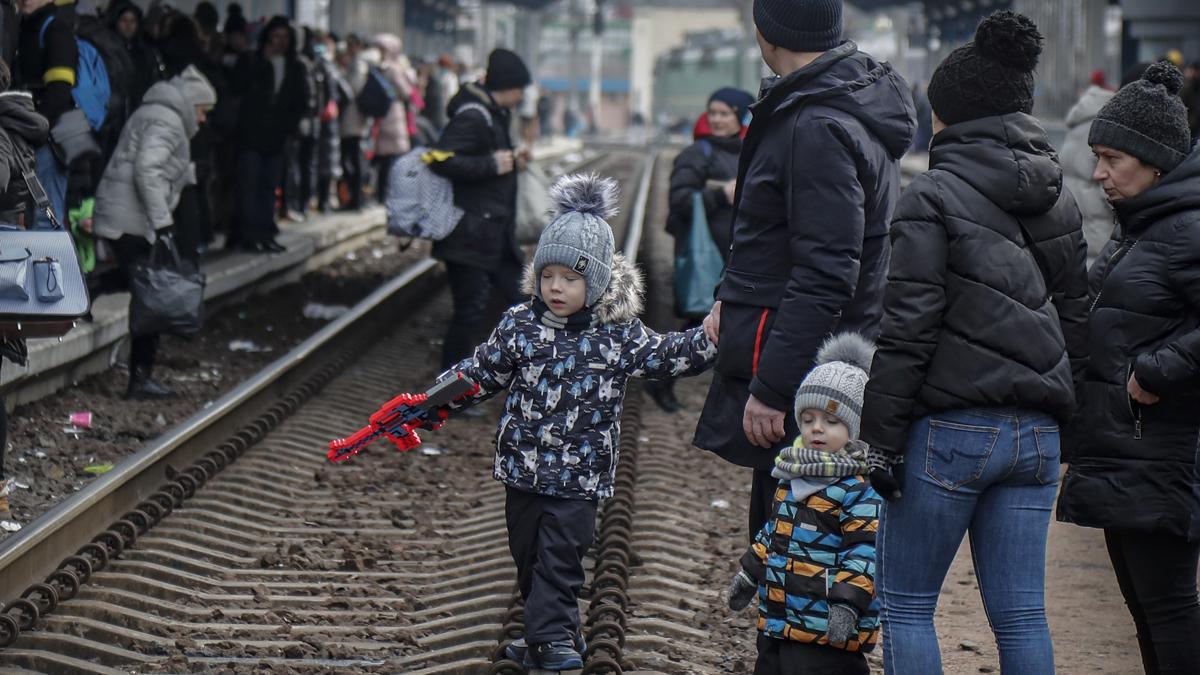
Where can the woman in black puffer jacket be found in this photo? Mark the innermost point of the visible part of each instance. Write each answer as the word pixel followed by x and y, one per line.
pixel 1133 463
pixel 982 336
pixel 708 166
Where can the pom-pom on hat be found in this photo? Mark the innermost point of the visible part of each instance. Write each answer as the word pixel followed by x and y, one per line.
pixel 992 74
pixel 1147 119
pixel 579 237
pixel 838 382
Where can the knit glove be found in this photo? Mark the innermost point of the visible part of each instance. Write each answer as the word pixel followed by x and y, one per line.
pixel 843 624
pixel 741 590
pixel 887 473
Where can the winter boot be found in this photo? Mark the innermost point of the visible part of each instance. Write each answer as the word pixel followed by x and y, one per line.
pixel 516 649
pixel 560 655
pixel 7 523
pixel 663 394
pixel 143 388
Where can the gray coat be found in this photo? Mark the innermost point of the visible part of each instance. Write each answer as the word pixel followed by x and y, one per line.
pixel 1078 163
pixel 150 167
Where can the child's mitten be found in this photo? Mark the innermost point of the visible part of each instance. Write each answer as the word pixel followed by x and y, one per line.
pixel 843 624
pixel 741 590
pixel 887 473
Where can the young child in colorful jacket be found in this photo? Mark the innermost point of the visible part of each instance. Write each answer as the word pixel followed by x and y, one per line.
pixel 565 358
pixel 813 564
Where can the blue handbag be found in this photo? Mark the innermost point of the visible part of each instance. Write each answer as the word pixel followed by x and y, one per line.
pixel 698 269
pixel 42 287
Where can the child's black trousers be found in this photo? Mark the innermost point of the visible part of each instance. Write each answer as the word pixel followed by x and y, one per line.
pixel 787 657
pixel 548 538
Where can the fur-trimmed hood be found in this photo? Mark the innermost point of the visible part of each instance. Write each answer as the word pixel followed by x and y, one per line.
pixel 620 303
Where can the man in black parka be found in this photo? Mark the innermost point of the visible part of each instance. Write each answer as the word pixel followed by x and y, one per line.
pixel 817 181
pixel 476 154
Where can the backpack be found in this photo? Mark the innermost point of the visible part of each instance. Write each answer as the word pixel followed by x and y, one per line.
pixel 420 203
pixel 118 65
pixel 92 90
pixel 377 95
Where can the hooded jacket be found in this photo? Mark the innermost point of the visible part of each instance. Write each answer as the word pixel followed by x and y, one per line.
pixel 22 131
pixel 818 178
pixel 1134 466
pixel 1078 163
pixel 486 234
pixel 560 432
pixel 973 317
pixel 152 163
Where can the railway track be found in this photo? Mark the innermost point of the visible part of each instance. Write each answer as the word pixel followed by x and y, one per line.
pixel 228 544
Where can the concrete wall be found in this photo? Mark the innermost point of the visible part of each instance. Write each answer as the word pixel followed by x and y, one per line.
pixel 654 31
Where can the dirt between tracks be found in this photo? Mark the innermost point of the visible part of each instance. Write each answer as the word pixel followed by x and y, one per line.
pixel 54 463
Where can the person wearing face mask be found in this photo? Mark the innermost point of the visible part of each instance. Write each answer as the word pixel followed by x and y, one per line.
pixel 708 166
pixel 1133 462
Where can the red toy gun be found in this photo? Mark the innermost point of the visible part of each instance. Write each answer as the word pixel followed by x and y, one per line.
pixel 399 418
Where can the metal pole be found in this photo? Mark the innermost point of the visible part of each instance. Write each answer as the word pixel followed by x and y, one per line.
pixel 596 73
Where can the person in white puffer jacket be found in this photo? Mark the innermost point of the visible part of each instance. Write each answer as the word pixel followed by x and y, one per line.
pixel 1078 163
pixel 141 186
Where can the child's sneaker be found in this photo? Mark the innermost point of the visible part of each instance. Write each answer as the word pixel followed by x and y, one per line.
pixel 742 589
pixel 560 655
pixel 516 649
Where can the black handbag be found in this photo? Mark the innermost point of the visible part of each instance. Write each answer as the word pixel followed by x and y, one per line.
pixel 166 296
pixel 42 289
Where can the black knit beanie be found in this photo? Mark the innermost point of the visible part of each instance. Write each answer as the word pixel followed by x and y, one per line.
pixel 992 74
pixel 1147 119
pixel 800 25
pixel 506 70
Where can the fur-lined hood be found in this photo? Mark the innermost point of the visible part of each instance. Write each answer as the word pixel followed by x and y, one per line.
pixel 620 303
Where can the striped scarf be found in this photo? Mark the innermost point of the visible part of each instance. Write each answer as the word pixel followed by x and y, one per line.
pixel 798 461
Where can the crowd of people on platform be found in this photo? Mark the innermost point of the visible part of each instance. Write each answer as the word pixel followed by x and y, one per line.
pixel 211 134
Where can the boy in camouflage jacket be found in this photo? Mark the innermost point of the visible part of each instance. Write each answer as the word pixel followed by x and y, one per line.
pixel 565 358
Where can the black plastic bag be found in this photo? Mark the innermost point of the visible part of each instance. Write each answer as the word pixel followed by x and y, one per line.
pixel 167 296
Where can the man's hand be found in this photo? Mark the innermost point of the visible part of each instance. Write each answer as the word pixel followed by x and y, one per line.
pixel 730 190
pixel 505 162
pixel 1138 394
pixel 763 424
pixel 523 157
pixel 712 323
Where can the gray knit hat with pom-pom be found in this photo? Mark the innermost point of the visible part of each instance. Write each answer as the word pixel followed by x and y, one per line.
pixel 839 382
pixel 579 238
pixel 1147 119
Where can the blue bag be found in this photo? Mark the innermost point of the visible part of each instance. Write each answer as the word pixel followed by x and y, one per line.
pixel 92 90
pixel 698 269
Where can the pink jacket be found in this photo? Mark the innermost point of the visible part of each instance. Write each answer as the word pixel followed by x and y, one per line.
pixel 393 129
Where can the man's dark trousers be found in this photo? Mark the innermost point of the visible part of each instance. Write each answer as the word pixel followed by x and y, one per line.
pixel 548 538
pixel 471 289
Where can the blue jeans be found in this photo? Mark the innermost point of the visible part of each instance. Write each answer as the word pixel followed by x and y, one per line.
pixel 53 177
pixel 258 175
pixel 992 472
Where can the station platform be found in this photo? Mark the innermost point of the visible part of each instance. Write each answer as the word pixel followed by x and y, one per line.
pixel 95 346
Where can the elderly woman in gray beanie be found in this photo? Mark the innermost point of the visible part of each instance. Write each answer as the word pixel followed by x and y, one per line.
pixel 1133 468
